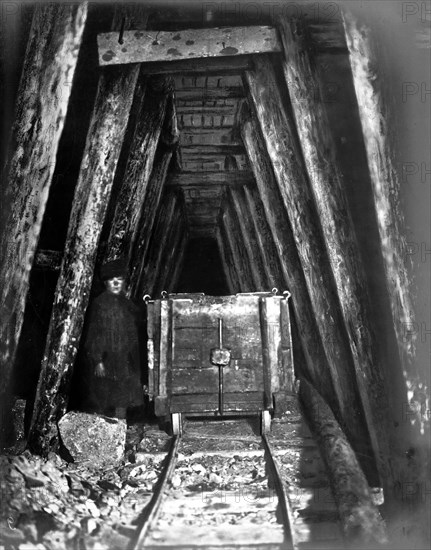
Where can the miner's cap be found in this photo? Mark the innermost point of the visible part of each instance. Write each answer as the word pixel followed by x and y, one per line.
pixel 114 268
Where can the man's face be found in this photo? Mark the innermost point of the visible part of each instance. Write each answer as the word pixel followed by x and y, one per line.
pixel 115 285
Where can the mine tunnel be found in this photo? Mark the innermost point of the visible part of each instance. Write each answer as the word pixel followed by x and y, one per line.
pixel 238 155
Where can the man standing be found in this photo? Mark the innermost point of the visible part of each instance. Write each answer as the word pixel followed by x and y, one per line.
pixel 111 346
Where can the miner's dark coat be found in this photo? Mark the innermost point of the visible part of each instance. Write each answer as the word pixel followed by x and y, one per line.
pixel 112 336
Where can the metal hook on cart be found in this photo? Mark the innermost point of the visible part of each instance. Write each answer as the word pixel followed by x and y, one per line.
pixel 287 294
pixel 146 298
pixel 274 290
pixel 164 294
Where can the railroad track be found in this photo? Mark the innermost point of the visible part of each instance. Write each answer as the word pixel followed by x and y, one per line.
pixel 256 514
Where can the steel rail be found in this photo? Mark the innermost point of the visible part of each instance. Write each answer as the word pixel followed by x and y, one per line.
pixel 283 497
pixel 152 511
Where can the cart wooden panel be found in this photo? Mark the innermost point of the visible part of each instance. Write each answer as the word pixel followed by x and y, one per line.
pixel 184 328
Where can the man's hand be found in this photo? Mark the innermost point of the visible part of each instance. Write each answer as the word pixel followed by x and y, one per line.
pixel 99 370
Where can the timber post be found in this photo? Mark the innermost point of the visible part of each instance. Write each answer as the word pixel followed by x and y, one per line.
pixel 139 166
pixel 43 97
pixel 102 149
pixel 366 54
pixel 337 229
pixel 327 355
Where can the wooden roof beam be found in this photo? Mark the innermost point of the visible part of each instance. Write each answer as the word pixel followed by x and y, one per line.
pixel 231 178
pixel 158 46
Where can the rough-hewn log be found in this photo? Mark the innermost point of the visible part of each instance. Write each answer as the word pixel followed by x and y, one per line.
pixel 373 106
pixel 172 249
pixel 228 269
pixel 177 267
pixel 43 97
pixel 147 218
pixel 265 239
pixel 138 170
pixel 151 46
pixel 361 521
pixel 159 239
pixel 318 369
pixel 102 149
pixel 322 373
pixel 337 227
pixel 226 251
pixel 249 238
pixel 237 246
pixel 234 177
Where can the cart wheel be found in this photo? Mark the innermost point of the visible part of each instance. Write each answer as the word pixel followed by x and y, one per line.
pixel 265 422
pixel 177 423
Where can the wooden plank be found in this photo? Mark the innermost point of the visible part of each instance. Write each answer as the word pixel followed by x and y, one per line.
pixel 207 81
pixel 282 147
pixel 165 346
pixel 239 177
pixel 239 206
pixel 202 66
pixel 156 46
pixel 43 96
pixel 147 220
pixel 138 170
pixel 208 94
pixel 102 149
pixel 204 150
pixel 338 231
pixel 204 136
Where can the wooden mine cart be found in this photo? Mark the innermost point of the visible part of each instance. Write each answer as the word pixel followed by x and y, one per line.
pixel 219 356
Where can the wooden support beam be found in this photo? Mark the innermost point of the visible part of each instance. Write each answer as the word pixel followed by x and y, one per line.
pixel 374 107
pixel 43 97
pixel 224 259
pixel 327 187
pixel 249 238
pixel 156 46
pixel 206 136
pixel 281 142
pixel 175 239
pixel 203 150
pixel 209 94
pixel 139 166
pixel 201 67
pixel 236 244
pixel 148 283
pixel 176 267
pixel 323 373
pixel 102 149
pixel 226 252
pixel 231 178
pixel 265 240
pixel 147 220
